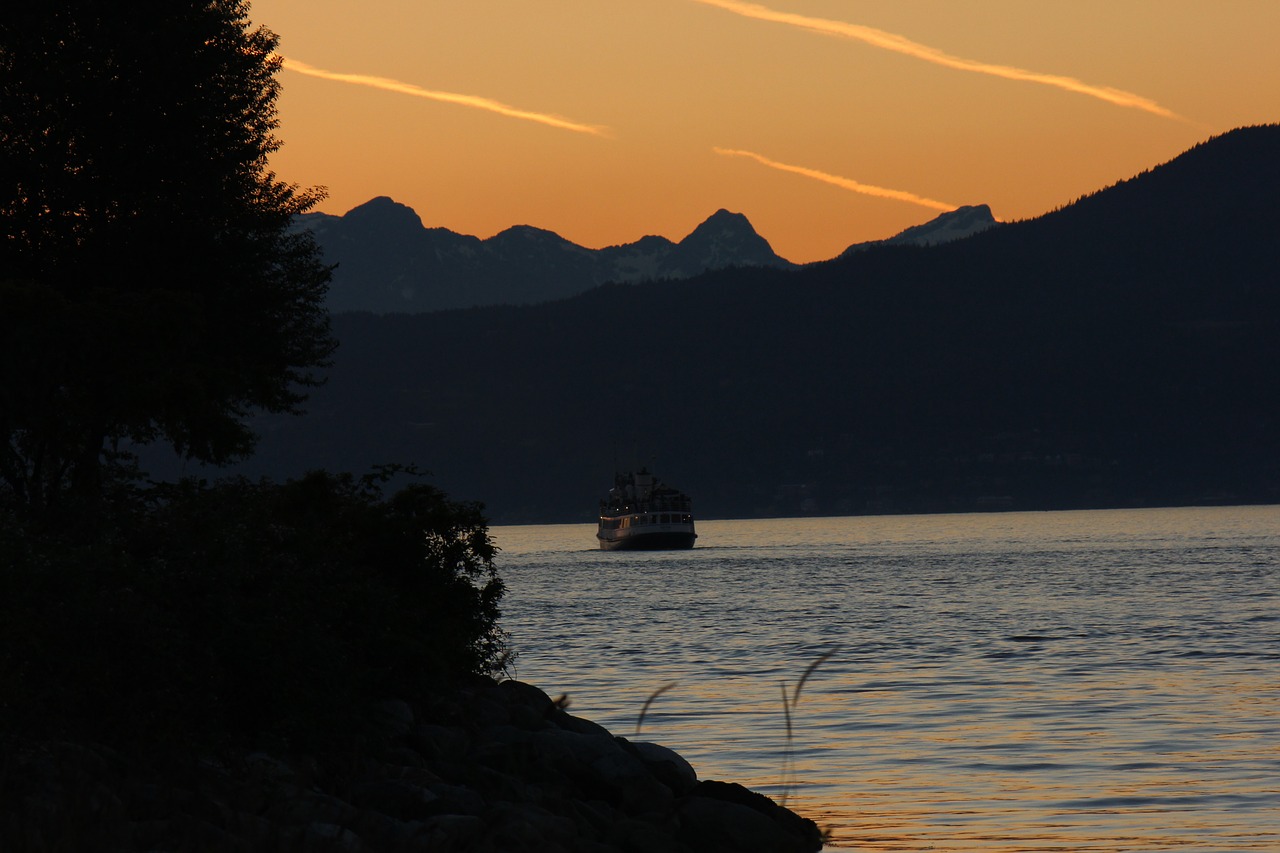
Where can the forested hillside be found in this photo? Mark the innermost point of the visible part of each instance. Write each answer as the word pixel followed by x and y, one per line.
pixel 1118 351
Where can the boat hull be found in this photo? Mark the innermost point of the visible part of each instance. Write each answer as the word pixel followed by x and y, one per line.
pixel 657 540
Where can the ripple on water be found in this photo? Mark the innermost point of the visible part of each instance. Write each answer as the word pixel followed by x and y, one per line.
pixel 1021 682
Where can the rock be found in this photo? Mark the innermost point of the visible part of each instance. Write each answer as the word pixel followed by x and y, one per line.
pixel 270 769
pixel 397 798
pixel 640 836
pixel 393 717
pixel 255 831
pixel 635 789
pixel 579 725
pixel 378 831
pixel 446 833
pixel 311 807
pixel 531 708
pixel 331 838
pixel 529 821
pixel 804 833
pixel 668 765
pixel 527 695
pixel 486 768
pixel 710 824
pixel 568 746
pixel 436 742
pixel 404 755
pixel 455 799
pixel 489 710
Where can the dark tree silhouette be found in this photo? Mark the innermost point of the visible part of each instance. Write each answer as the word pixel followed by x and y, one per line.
pixel 151 284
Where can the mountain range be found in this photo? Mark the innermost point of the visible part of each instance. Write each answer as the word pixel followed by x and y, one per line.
pixel 1119 351
pixel 389 262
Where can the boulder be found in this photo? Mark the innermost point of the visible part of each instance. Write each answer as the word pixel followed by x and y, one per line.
pixel 487 768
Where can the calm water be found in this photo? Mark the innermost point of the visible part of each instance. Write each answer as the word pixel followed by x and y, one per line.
pixel 1103 681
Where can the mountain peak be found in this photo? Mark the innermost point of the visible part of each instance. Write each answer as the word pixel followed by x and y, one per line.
pixel 725 215
pixel 964 221
pixel 723 239
pixel 725 222
pixel 526 232
pixel 385 212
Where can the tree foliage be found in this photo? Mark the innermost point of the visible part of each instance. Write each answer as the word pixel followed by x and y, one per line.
pixel 250 611
pixel 151 284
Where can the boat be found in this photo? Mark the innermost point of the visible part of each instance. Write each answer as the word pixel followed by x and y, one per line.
pixel 642 513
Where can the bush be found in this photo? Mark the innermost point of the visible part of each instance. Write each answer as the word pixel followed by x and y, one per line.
pixel 248 612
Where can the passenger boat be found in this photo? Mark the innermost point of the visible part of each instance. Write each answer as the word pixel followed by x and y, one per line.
pixel 642 513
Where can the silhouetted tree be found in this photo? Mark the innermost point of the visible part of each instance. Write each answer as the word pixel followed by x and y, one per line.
pixel 252 610
pixel 151 285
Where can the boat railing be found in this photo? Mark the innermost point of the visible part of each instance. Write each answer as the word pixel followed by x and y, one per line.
pixel 682 504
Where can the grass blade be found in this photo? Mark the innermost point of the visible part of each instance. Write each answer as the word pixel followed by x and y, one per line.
pixel 823 658
pixel 644 709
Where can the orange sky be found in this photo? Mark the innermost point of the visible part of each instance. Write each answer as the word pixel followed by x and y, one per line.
pixel 826 122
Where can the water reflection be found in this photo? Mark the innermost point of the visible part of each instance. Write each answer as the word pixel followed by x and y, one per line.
pixel 1052 681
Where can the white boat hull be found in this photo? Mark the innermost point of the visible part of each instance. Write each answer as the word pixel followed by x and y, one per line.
pixel 648 540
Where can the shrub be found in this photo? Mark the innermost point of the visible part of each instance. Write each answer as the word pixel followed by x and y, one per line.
pixel 249 611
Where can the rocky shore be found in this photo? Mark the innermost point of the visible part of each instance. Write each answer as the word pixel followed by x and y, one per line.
pixel 490 767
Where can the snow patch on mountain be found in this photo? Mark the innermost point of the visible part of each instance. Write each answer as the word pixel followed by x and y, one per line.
pixel 389 262
pixel 957 224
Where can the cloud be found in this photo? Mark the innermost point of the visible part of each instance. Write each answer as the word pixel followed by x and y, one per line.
pixel 836 180
pixel 389 85
pixel 900 44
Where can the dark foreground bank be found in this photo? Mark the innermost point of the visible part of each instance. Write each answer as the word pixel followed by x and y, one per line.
pixel 491 766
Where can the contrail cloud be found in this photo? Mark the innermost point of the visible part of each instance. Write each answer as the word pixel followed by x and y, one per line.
pixel 389 85
pixel 843 183
pixel 901 44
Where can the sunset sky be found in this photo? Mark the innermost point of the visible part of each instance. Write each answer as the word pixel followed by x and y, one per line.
pixel 826 122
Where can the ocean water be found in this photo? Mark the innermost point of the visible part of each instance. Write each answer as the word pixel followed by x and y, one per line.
pixel 1072 681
